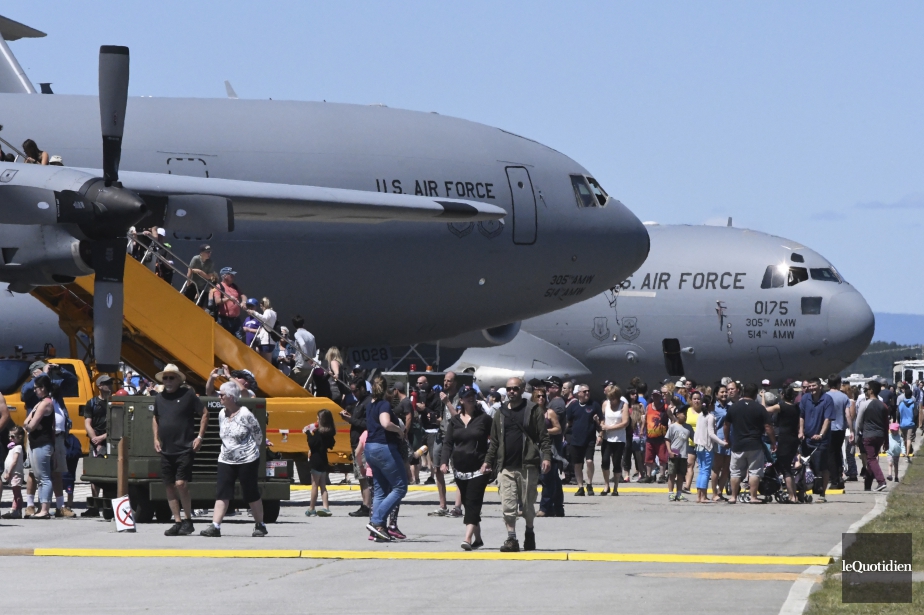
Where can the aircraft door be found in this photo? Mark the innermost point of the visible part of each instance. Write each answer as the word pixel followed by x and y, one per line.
pixel 673 362
pixel 524 206
pixel 187 165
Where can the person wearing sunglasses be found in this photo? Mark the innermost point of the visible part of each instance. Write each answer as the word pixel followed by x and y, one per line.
pixel 520 448
pixel 176 438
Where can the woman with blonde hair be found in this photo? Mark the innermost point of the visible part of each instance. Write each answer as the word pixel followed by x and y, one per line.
pixel 333 365
pixel 612 438
pixel 265 344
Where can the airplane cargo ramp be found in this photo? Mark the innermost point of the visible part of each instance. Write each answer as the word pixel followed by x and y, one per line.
pixel 162 326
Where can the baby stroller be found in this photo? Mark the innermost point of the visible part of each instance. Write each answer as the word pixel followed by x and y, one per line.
pixel 802 475
pixel 771 485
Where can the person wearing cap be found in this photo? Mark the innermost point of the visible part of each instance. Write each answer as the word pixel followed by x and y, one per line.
pixel 656 423
pixel 466 444
pixel 584 416
pixel 94 420
pixel 228 298
pixel 177 439
pixel 201 268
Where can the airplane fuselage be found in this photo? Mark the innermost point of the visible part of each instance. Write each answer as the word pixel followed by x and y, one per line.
pixel 392 283
pixel 702 306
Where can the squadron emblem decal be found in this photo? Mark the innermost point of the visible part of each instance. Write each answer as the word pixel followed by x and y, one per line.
pixel 601 329
pixel 491 228
pixel 629 330
pixel 461 229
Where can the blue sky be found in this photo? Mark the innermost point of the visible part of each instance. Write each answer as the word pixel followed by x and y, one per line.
pixel 799 119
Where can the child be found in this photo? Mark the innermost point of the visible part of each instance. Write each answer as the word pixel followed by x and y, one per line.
pixel 896 450
pixel 678 434
pixel 13 472
pixel 321 437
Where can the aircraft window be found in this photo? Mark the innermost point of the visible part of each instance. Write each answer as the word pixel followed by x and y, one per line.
pixel 825 275
pixel 598 191
pixel 796 275
pixel 797 258
pixel 811 306
pixel 774 276
pixel 585 198
pixel 12 376
pixel 908 374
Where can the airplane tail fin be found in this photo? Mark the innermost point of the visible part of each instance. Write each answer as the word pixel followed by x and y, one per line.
pixel 13 79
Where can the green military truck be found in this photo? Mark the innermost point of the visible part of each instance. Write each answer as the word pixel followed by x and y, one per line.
pixel 131 418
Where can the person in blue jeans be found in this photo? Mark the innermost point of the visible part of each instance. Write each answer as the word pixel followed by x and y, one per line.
pixel 381 452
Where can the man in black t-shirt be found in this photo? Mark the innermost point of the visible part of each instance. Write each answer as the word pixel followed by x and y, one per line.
pixel 751 421
pixel 94 421
pixel 176 438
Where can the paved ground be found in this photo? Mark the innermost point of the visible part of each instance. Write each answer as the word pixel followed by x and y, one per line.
pixel 633 523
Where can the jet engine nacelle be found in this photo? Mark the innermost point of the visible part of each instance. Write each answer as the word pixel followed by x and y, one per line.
pixel 39 255
pixel 485 338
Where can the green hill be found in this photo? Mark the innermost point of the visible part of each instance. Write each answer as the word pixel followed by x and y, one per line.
pixel 880 357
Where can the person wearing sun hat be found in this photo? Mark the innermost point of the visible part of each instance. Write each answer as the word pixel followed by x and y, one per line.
pixel 176 438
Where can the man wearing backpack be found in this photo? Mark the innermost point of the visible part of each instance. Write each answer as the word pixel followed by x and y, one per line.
pixel 520 448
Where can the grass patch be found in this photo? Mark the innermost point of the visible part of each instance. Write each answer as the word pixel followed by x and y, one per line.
pixel 904 513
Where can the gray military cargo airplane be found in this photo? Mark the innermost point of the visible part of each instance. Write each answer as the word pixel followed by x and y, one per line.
pixel 525 229
pixel 709 302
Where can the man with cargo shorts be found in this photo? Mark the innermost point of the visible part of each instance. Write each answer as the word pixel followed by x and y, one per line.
pixel 750 420
pixel 176 438
pixel 518 441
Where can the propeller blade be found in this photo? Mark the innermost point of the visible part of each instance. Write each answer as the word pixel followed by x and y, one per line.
pixel 107 257
pixel 113 98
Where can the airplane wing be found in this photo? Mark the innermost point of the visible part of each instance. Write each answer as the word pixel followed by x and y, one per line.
pixel 265 201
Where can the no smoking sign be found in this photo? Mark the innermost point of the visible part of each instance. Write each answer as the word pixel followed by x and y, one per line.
pixel 124 520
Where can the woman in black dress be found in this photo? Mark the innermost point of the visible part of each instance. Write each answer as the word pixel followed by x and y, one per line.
pixel 466 444
pixel 787 438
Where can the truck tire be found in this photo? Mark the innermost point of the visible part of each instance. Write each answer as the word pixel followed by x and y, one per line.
pixel 142 506
pixel 271 510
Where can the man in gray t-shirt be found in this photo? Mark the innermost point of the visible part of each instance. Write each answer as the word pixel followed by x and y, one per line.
pixel 838 431
pixel 201 267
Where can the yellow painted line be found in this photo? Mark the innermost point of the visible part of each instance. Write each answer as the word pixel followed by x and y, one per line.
pixel 676 558
pixel 437 555
pixel 735 576
pixel 660 558
pixel 197 553
pixel 452 487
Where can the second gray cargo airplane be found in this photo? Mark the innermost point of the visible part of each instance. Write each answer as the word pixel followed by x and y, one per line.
pixel 733 302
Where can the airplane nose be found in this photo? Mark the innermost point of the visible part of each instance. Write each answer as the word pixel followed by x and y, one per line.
pixel 850 325
pixel 630 241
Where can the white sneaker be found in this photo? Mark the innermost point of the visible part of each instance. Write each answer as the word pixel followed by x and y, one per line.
pixel 201 512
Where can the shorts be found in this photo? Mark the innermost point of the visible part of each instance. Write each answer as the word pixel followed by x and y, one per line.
pixel 677 466
pixel 579 454
pixel 245 473
pixel 59 459
pixel 435 446
pixel 356 473
pixel 907 430
pixel 747 462
pixel 656 448
pixel 266 348
pixel 176 467
pixel 320 474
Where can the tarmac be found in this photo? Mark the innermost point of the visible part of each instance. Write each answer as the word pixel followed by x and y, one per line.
pixel 637 551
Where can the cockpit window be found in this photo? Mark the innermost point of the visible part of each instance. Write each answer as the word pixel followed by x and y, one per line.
pixel 796 275
pixel 825 275
pixel 778 276
pixel 585 198
pixel 598 191
pixel 774 276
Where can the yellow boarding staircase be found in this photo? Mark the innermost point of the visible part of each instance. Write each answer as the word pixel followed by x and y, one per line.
pixel 162 326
